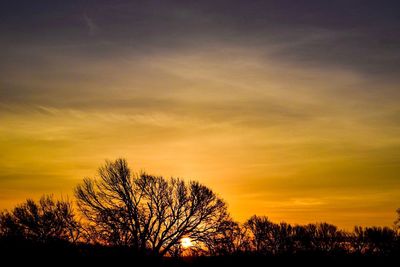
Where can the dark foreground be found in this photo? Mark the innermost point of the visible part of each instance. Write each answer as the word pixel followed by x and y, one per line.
pixel 64 254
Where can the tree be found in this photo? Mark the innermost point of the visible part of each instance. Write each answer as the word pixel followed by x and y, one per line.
pixel 323 237
pixel 260 229
pixel 397 222
pixel 283 238
pixel 148 213
pixel 380 240
pixel 326 237
pixel 231 239
pixel 44 221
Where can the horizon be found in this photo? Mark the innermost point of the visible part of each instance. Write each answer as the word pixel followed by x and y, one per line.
pixel 288 110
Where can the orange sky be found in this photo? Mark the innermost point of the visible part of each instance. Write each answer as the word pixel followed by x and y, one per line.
pixel 296 140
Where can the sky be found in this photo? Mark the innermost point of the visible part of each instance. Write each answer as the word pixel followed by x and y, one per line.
pixel 289 109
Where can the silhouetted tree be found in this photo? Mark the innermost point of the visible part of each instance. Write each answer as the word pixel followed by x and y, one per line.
pixel 231 239
pixel 260 230
pixel 397 222
pixel 375 240
pixel 325 237
pixel 303 240
pixel 44 221
pixel 283 239
pixel 359 242
pixel 148 213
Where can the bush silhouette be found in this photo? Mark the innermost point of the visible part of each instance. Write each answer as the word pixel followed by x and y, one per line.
pixel 43 221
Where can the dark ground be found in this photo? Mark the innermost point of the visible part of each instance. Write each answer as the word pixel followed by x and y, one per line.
pixel 63 254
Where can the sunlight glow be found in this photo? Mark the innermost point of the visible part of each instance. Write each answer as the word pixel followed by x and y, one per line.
pixel 186 242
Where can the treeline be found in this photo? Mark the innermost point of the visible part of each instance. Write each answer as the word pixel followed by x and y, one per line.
pixel 262 237
pixel 141 214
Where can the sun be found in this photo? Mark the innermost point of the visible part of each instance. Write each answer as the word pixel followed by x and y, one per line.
pixel 186 242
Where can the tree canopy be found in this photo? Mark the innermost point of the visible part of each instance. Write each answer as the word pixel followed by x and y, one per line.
pixel 149 213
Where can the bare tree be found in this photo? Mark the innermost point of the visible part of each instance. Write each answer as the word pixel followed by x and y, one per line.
pixel 261 230
pixel 375 240
pixel 270 238
pixel 321 237
pixel 148 213
pixel 325 237
pixel 231 239
pixel 397 221
pixel 46 220
pixel 283 238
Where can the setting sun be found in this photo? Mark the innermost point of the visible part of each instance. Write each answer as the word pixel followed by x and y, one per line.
pixel 186 242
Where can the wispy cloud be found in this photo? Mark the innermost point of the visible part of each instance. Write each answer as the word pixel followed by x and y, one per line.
pixel 291 103
pixel 91 26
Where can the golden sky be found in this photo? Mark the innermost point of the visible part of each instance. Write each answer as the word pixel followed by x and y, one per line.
pixel 293 123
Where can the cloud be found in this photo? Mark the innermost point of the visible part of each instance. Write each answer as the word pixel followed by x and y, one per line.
pixel 92 28
pixel 268 96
